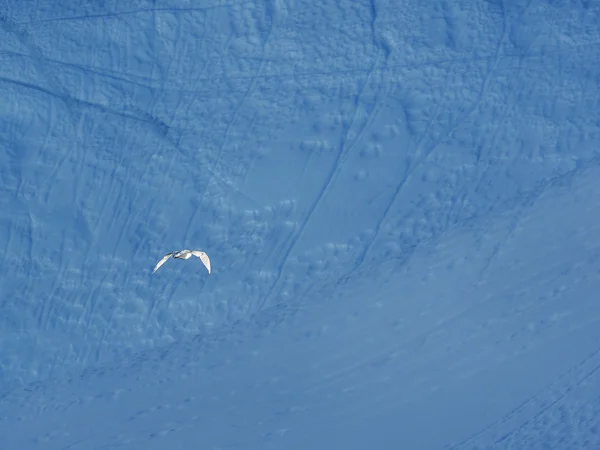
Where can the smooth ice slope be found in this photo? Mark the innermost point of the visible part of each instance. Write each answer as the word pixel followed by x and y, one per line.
pixel 468 344
pixel 400 201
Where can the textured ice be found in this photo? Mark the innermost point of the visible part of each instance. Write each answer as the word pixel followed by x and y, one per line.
pixel 400 201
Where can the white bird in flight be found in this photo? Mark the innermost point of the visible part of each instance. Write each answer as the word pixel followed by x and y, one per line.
pixel 185 254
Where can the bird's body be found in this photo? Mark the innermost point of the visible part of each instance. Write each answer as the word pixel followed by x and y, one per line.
pixel 185 254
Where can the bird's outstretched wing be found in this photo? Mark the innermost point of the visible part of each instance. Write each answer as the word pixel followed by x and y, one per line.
pixel 162 261
pixel 204 258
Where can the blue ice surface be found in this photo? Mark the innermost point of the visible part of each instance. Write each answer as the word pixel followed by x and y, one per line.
pixel 401 202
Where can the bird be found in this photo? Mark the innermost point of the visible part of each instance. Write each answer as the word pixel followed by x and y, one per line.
pixel 185 254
